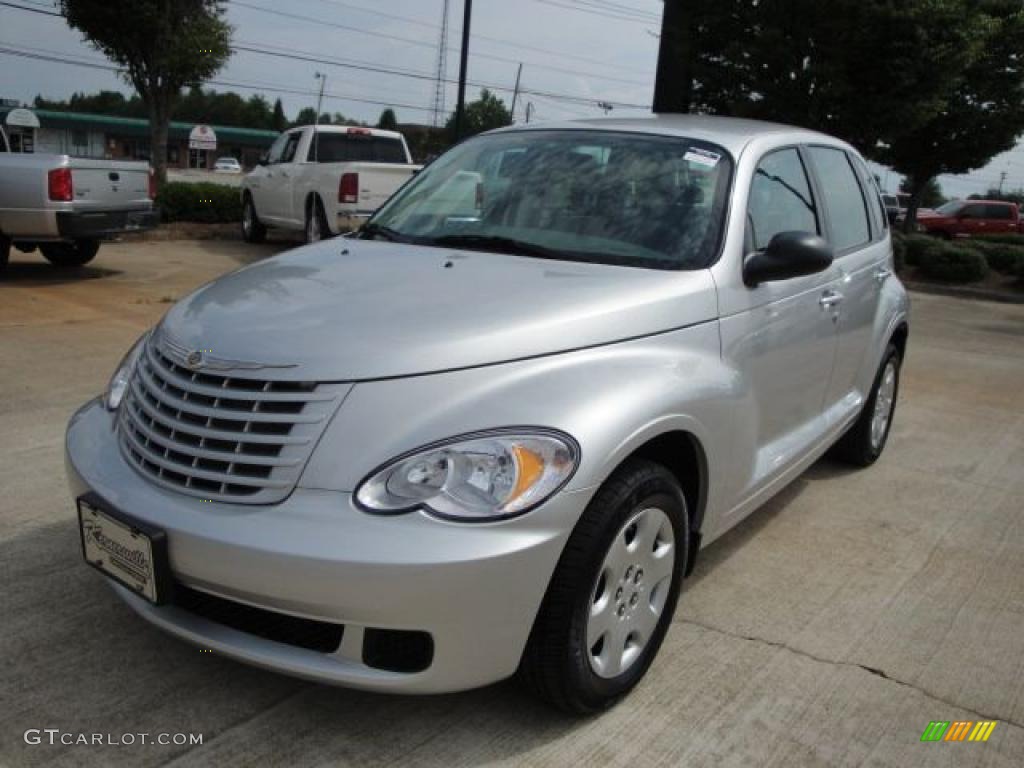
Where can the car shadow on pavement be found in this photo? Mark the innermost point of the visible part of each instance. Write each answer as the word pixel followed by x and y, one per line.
pixel 43 273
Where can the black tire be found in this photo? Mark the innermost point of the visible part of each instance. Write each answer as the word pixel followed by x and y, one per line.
pixel 316 222
pixel 253 230
pixel 74 254
pixel 5 252
pixel 859 446
pixel 557 663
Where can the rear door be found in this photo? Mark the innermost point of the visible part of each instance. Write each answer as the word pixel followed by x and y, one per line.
pixel 109 185
pixel 1001 217
pixel 972 220
pixel 780 335
pixel 858 233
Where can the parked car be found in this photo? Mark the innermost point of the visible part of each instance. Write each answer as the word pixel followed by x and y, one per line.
pixel 323 180
pixel 66 206
pixel 966 218
pixel 227 165
pixel 893 211
pixel 493 431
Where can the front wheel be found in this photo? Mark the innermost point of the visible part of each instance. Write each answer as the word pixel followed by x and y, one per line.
pixel 864 441
pixel 613 594
pixel 74 254
pixel 253 230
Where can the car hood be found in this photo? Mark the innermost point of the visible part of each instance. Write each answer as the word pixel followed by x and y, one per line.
pixel 347 310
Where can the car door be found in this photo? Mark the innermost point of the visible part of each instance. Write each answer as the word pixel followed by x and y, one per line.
pixel 779 336
pixel 1000 218
pixel 972 220
pixel 283 183
pixel 856 231
pixel 261 179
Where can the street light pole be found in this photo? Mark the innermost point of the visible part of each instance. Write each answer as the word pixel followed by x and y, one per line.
pixel 460 107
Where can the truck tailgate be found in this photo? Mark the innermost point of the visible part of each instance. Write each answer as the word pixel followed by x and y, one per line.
pixel 377 182
pixel 109 184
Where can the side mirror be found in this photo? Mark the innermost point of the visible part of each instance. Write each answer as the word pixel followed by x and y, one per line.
pixel 788 255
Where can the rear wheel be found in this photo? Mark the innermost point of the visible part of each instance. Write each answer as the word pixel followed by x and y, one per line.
pixel 864 441
pixel 613 594
pixel 252 230
pixel 316 222
pixel 74 254
pixel 5 252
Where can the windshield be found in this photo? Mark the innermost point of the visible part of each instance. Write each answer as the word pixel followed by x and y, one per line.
pixel 950 208
pixel 584 195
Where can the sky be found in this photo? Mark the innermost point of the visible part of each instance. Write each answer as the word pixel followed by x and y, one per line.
pixel 575 54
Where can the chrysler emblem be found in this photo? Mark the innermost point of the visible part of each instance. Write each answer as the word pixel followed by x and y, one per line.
pixel 194 359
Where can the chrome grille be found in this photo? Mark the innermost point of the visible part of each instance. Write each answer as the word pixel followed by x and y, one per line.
pixel 220 437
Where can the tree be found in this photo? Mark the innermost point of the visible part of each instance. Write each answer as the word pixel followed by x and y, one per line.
pixel 278 121
pixel 485 114
pixel 163 46
pixel 983 114
pixel 306 116
pixel 388 120
pixel 931 192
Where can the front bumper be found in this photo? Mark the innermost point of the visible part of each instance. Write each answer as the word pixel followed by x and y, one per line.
pixel 101 224
pixel 474 588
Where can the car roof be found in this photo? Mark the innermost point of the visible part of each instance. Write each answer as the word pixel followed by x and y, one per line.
pixel 356 129
pixel 732 133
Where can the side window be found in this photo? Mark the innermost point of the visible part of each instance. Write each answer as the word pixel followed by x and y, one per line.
pixel 274 153
pixel 780 199
pixel 288 154
pixel 844 199
pixel 1001 212
pixel 975 211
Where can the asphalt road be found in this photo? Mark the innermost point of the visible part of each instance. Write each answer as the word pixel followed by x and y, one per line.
pixel 828 629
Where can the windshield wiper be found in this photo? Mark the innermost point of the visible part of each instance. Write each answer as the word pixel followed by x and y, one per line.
pixel 499 244
pixel 384 233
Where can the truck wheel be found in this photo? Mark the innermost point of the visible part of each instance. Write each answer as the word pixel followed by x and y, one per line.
pixel 5 252
pixel 252 230
pixel 863 442
pixel 74 254
pixel 613 593
pixel 316 222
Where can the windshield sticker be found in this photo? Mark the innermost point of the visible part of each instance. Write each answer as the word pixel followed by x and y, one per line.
pixel 702 157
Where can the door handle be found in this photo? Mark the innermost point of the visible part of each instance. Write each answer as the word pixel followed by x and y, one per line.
pixel 881 274
pixel 830 299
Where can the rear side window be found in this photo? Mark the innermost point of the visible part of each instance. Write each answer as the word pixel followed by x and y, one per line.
pixel 357 148
pixel 780 199
pixel 1002 212
pixel 844 199
pixel 975 211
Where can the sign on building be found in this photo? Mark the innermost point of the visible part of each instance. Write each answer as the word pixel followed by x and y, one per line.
pixel 202 137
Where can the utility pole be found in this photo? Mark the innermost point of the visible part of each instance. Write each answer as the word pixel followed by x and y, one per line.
pixel 673 84
pixel 460 108
pixel 515 93
pixel 1002 180
pixel 322 77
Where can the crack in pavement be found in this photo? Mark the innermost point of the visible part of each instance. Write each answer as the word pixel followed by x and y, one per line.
pixel 838 663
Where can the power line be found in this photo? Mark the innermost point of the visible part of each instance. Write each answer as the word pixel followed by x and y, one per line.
pixel 594 12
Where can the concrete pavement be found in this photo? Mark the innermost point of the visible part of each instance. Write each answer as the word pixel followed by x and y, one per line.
pixel 828 629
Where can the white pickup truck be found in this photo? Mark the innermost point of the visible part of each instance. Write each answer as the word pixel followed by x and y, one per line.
pixel 66 205
pixel 323 180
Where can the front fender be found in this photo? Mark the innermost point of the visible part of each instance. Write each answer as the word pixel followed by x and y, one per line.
pixel 611 399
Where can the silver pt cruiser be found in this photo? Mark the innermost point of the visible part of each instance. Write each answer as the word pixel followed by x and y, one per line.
pixel 491 432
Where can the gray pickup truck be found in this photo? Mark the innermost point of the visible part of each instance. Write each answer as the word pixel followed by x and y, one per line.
pixel 66 205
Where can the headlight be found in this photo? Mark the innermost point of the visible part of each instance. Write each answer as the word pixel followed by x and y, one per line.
pixel 122 376
pixel 479 477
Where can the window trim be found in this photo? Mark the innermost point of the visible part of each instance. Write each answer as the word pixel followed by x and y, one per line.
pixel 839 253
pixel 819 222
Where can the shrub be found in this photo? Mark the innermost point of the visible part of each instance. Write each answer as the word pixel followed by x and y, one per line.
pixel 953 263
pixel 899 251
pixel 1001 257
pixel 917 246
pixel 1005 237
pixel 202 201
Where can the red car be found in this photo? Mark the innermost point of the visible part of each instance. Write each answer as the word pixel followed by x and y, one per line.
pixel 966 218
